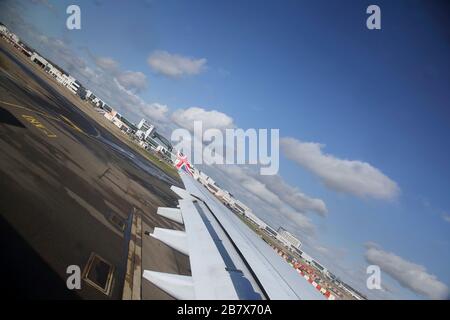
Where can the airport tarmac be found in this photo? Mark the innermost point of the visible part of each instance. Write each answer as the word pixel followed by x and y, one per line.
pixel 68 188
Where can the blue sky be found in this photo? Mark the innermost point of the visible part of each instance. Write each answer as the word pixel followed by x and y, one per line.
pixel 313 70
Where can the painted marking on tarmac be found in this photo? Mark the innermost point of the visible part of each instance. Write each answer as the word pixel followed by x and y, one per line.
pixel 65 120
pixel 72 124
pixel 30 110
pixel 39 125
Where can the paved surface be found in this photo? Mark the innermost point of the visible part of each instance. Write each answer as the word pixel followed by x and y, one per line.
pixel 64 179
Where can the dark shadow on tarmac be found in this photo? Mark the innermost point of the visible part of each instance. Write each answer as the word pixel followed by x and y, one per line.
pixel 24 274
pixel 7 117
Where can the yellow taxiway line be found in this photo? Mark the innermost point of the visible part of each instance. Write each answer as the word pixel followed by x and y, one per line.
pixel 64 119
pixel 29 109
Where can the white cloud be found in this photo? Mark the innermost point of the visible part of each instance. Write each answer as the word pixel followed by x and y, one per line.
pixel 107 64
pixel 134 81
pixel 293 196
pixel 408 274
pixel 299 220
pixel 210 118
pixel 323 250
pixel 265 203
pixel 349 176
pixel 174 65
pixel 43 2
pixel 136 105
pixel 446 217
pixel 258 188
pixel 155 111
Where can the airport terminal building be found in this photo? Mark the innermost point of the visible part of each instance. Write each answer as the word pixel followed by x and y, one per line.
pixel 288 238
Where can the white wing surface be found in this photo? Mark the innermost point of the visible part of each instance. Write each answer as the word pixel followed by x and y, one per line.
pixel 228 260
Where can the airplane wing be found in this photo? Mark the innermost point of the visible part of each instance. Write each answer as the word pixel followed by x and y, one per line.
pixel 228 260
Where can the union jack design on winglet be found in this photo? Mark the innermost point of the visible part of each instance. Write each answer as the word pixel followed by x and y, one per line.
pixel 183 163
